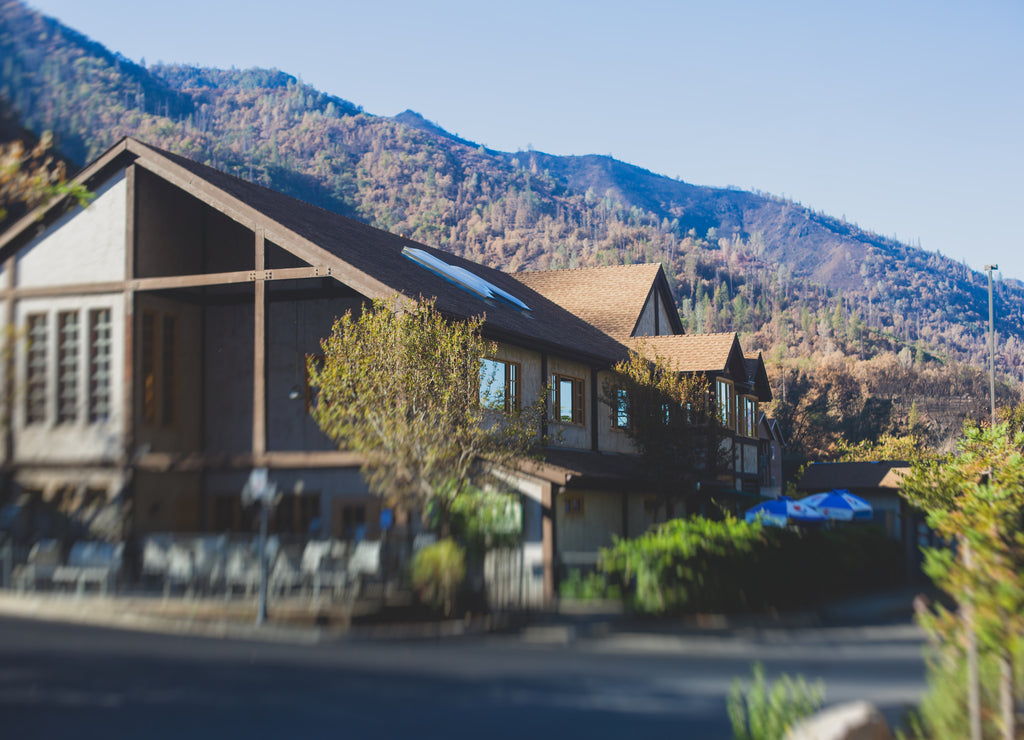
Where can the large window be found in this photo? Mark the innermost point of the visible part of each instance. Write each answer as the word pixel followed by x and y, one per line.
pixel 566 401
pixel 726 403
pixel 499 385
pixel 159 369
pixel 67 367
pixel 35 370
pixel 99 364
pixel 748 416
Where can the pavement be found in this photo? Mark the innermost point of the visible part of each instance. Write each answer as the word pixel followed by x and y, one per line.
pixel 302 621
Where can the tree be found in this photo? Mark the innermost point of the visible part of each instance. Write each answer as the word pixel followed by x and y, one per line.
pixel 975 498
pixel 672 419
pixel 30 176
pixel 400 384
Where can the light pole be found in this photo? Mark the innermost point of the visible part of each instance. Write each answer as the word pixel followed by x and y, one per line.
pixel 991 344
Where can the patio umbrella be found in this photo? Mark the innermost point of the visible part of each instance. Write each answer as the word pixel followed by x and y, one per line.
pixel 841 505
pixel 781 511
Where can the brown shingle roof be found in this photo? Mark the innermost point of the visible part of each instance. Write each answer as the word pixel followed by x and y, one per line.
pixel 610 298
pixel 853 475
pixel 371 260
pixel 694 353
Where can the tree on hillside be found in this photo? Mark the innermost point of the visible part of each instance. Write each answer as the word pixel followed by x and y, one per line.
pixel 975 499
pixel 401 385
pixel 30 176
pixel 672 419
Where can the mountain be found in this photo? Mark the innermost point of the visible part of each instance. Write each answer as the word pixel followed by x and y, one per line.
pixel 804 287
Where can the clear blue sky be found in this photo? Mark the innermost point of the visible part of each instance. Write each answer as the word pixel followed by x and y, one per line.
pixel 905 117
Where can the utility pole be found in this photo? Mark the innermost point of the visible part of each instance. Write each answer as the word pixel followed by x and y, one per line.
pixel 991 344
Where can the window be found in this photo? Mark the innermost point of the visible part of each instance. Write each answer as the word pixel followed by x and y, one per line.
pixel 499 385
pixel 169 381
pixel 159 369
pixel 35 370
pixel 99 364
pixel 67 367
pixel 748 416
pixel 620 413
pixel 149 408
pixel 573 504
pixel 566 399
pixel 726 403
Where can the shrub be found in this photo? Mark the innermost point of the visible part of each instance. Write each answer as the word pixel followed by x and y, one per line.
pixel 437 571
pixel 766 711
pixel 700 565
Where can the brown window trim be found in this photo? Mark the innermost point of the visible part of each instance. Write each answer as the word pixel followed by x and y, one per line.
pixel 579 416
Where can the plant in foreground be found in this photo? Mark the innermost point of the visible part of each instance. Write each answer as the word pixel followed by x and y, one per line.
pixel 765 711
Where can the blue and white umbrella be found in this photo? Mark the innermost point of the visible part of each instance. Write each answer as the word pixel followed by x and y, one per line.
pixel 841 505
pixel 781 511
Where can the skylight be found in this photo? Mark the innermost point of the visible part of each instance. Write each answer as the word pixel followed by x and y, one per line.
pixel 463 278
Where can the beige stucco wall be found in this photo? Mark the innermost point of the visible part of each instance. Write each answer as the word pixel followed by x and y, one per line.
pixel 85 245
pixel 80 440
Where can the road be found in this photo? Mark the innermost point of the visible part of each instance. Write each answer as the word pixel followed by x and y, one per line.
pixel 60 680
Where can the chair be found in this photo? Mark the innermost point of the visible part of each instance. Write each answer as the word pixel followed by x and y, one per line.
pixel 91 562
pixel 43 560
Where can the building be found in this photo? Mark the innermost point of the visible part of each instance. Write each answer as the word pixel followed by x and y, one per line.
pixel 167 327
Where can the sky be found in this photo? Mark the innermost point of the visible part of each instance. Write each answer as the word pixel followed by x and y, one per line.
pixel 906 118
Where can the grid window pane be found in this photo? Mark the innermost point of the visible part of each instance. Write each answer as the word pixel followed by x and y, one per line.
pixel 99 364
pixel 67 367
pixel 35 370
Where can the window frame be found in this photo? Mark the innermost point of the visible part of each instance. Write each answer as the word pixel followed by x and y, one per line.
pixel 577 402
pixel 622 412
pixel 511 373
pixel 100 365
pixel 573 505
pixel 69 342
pixel 726 409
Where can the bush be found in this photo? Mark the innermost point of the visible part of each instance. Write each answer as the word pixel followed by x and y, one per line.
pixel 437 572
pixel 766 711
pixel 699 565
pixel 589 587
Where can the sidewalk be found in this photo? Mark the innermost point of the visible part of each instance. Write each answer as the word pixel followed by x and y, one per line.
pixel 302 621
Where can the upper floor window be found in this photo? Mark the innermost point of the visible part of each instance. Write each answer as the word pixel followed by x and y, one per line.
pixel 99 364
pixel 566 399
pixel 159 368
pixel 620 413
pixel 499 385
pixel 35 369
pixel 726 403
pixel 748 416
pixel 67 367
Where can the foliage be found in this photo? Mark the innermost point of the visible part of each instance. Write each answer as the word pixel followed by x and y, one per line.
pixel 908 448
pixel 486 519
pixel 942 713
pixel 672 421
pixel 591 586
pixel 975 499
pixel 766 711
pixel 700 565
pixel 437 571
pixel 30 176
pixel 399 384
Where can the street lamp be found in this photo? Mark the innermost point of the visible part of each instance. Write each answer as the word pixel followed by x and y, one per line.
pixel 991 344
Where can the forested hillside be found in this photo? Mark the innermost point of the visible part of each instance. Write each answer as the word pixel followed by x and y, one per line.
pixel 828 303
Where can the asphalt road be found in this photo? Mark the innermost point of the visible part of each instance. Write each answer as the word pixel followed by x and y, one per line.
pixel 69 681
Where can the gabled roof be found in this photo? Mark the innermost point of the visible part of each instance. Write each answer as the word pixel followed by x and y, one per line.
pixel 366 259
pixel 772 428
pixel 853 475
pixel 757 376
pixel 718 353
pixel 612 298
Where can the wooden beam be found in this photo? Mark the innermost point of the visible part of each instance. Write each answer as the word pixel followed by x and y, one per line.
pixel 548 545
pixel 259 357
pixel 128 409
pixel 10 344
pixel 164 462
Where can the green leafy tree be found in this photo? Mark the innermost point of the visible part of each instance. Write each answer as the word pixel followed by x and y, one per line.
pixel 30 176
pixel 672 419
pixel 975 498
pixel 400 384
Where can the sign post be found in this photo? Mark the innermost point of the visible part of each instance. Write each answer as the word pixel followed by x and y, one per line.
pixel 261 492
